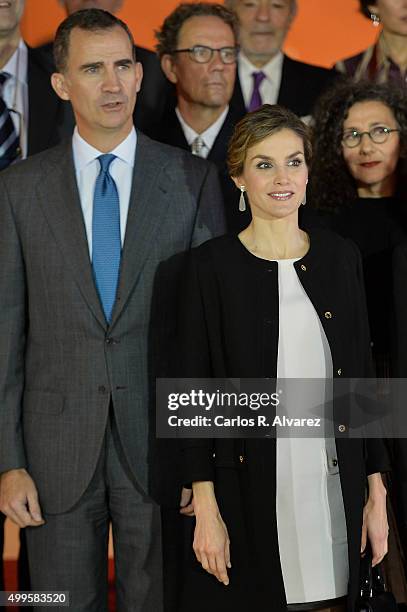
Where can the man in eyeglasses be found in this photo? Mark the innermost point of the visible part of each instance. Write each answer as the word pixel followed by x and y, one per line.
pixel 197 48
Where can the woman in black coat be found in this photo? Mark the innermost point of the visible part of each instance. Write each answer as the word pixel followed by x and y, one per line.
pixel 240 294
pixel 358 185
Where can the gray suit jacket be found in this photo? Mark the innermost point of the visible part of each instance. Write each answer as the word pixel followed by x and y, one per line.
pixel 60 363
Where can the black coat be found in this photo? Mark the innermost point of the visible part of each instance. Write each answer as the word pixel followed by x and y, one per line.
pixel 301 85
pixel 229 328
pixel 49 117
pixel 170 131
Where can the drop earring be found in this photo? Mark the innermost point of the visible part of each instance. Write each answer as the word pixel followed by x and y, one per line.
pixel 375 19
pixel 304 200
pixel 242 201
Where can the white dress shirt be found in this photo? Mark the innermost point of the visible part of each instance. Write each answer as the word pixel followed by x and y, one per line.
pixel 87 168
pixel 15 92
pixel 208 136
pixel 269 87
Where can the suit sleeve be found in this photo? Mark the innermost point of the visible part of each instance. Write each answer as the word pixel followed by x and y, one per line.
pixel 12 337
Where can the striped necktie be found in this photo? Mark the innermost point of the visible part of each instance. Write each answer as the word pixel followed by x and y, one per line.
pixel 9 141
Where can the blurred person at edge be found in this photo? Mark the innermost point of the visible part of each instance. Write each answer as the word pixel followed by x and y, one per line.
pixel 35 119
pixel 155 91
pixel 197 49
pixel 273 524
pixel 386 60
pixel 358 185
pixel 264 73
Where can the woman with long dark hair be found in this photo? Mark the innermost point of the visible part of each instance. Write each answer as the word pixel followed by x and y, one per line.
pixel 359 183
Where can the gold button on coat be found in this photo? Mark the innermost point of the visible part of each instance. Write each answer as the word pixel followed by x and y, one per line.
pixel 340 372
pixel 328 315
pixel 303 268
pixel 241 458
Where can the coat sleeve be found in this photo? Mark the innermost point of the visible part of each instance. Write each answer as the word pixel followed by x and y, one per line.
pixel 377 458
pixel 12 337
pixel 193 361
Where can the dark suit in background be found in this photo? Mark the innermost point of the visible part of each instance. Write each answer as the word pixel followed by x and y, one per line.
pixel 301 85
pixel 49 118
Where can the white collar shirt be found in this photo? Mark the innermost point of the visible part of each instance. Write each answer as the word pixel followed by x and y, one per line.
pixel 208 136
pixel 269 87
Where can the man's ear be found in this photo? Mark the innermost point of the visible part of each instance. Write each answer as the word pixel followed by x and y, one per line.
pixel 168 68
pixel 58 83
pixel 139 75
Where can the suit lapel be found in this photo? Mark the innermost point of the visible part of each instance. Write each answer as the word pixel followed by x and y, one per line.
pixel 59 200
pixel 219 147
pixel 237 101
pixel 289 84
pixel 147 207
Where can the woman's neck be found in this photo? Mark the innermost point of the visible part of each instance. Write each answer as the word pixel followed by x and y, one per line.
pixel 396 47
pixel 384 189
pixel 275 239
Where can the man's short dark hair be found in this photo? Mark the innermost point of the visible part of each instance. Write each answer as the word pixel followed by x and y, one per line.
pixel 167 36
pixel 90 20
pixel 364 7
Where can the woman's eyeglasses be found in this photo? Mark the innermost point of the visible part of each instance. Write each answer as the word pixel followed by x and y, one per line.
pixel 378 134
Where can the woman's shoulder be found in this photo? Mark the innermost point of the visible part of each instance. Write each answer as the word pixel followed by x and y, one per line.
pixel 220 246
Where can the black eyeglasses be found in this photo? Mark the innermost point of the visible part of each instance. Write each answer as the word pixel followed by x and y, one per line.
pixel 378 134
pixel 203 55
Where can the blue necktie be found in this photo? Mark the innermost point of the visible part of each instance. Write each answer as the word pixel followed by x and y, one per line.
pixel 106 243
pixel 9 141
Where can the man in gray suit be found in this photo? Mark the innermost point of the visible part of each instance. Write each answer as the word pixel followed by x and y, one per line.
pixel 83 228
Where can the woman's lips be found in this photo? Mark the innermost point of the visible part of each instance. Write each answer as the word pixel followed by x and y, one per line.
pixel 281 196
pixel 370 164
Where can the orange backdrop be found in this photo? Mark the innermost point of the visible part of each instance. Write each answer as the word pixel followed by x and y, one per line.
pixel 323 32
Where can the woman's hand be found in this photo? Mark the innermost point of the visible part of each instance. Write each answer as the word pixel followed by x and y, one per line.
pixel 211 540
pixel 375 525
pixel 186 502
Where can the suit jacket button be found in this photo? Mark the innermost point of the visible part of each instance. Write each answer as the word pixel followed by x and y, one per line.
pixel 241 458
pixel 340 372
pixel 303 268
pixel 102 389
pixel 328 315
